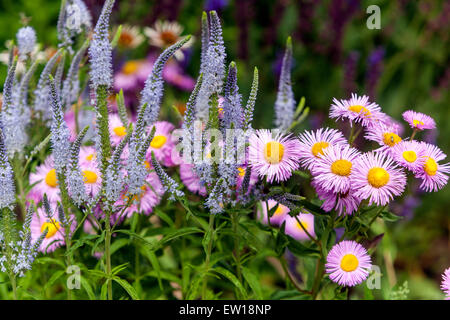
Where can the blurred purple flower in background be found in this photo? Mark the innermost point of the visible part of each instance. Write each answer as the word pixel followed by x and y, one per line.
pixel 216 5
pixel 350 72
pixel 374 69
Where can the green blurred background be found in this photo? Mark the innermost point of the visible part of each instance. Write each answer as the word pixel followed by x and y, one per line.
pixel 404 65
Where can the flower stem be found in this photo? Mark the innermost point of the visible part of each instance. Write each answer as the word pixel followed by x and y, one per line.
pixel 12 278
pixel 208 253
pixel 237 253
pixel 108 254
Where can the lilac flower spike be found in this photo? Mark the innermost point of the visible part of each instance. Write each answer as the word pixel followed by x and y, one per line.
pixel 153 90
pixel 213 69
pixel 100 50
pixel 170 185
pixel 7 189
pixel 232 109
pixel 285 103
pixel 26 40
pixel 42 92
pixel 60 133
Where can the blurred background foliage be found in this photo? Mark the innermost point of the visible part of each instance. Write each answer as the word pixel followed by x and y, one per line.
pixel 404 65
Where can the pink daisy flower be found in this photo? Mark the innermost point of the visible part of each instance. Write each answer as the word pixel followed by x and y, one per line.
pixel 91 177
pixel 410 155
pixel 357 109
pixel 87 156
pixel 418 121
pixel 55 235
pixel 116 129
pixel 278 216
pixel 162 144
pixel 273 157
pixel 445 285
pixel 151 194
pixel 332 170
pixel 387 136
pixel 191 180
pixel 45 181
pixel 377 178
pixel 348 263
pixel 344 203
pixel 434 175
pixel 313 143
pixel 295 230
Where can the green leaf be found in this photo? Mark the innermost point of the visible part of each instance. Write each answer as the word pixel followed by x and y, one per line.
pixel 104 290
pixel 87 287
pixel 155 264
pixel 227 274
pixel 253 282
pixel 301 250
pixel 55 276
pixel 128 287
pixel 390 217
pixel 289 295
pixel 179 233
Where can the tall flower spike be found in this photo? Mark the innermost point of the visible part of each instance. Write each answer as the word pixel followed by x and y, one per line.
pixel 213 70
pixel 170 185
pixel 215 198
pixel 59 73
pixel 7 189
pixel 13 121
pixel 26 40
pixel 71 85
pixel 248 110
pixel 285 103
pixel 42 92
pixel 154 85
pixel 60 132
pixel 189 115
pixel 232 109
pixel 100 51
pixel 135 167
pixel 75 178
pixel 23 89
pixel 114 177
pixel 205 41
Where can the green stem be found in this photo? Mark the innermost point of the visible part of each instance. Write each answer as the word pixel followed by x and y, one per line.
pixel 291 279
pixel 208 253
pixel 413 134
pixel 237 253
pixel 12 278
pixel 320 268
pixel 108 254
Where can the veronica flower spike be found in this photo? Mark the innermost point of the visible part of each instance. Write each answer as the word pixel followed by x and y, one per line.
pixel 273 157
pixel 348 263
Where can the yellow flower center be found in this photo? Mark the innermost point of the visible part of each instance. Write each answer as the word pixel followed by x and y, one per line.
pixel 274 152
pixel 360 109
pixel 147 164
pixel 430 167
pixel 302 223
pixel 378 177
pixel 89 176
pixel 349 263
pixel 391 139
pixel 120 131
pixel 416 123
pixel 341 167
pixel 278 211
pixel 241 171
pixel 158 142
pixel 126 39
pixel 409 156
pixel 130 67
pixel 318 147
pixel 52 226
pixel 50 179
pixel 90 157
